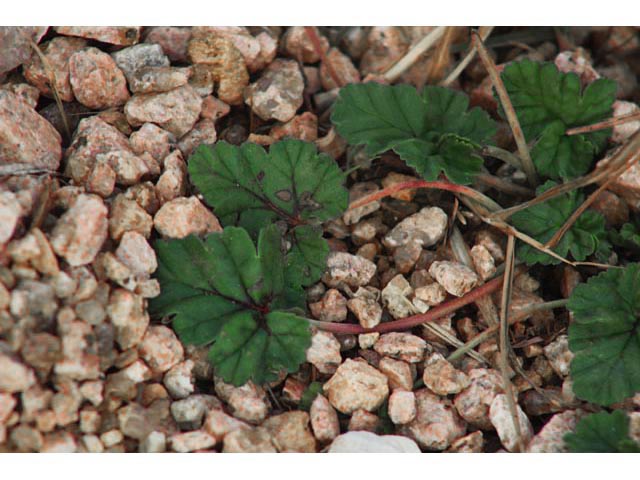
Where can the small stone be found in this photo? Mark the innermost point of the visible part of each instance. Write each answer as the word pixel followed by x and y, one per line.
pixel 436 424
pixel 191 410
pixel 361 420
pixel 398 373
pixel 614 210
pixel 160 348
pixel 456 278
pixel 203 132
pixel 179 381
pixel 432 294
pixel 427 227
pixel 343 68
pixel 394 178
pixel 128 216
pixel 41 351
pixel 173 40
pixel 324 352
pixel 10 213
pixel 96 80
pixel 223 61
pixel 254 440
pixel 303 127
pixel 128 315
pixel 79 234
pixel 137 254
pixel 175 111
pixel 356 385
pixel 472 443
pixel 15 376
pixel 489 240
pixel 579 63
pixel 183 216
pixel 356 192
pixel 92 391
pixel 401 346
pixel 324 420
pixel 191 441
pixel 155 442
pixel 151 139
pixel 483 262
pixel 26 439
pixel 290 432
pixel 406 256
pixel 277 94
pixel 402 407
pixel 624 131
pixel 57 53
pixel 256 52
pixel 297 44
pixel 214 109
pixel 332 307
pixel 59 442
pixel 92 137
pixel 368 340
pixel 365 307
pixel 112 35
pixel 111 438
pixel 349 269
pixel 501 419
pixel 144 55
pixel 386 45
pixel 473 403
pixel 367 442
pixel 25 136
pixel 559 355
pixel 7 404
pixel 92 444
pixel 219 424
pixel 15 45
pixel 441 377
pixel 248 402
pixel 173 181
pixel 550 439
pixel 395 297
pixel 128 168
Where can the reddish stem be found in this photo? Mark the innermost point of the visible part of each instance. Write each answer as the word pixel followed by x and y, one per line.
pixel 386 192
pixel 313 36
pixel 415 320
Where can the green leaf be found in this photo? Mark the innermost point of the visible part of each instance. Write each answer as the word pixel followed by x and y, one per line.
pixel 549 102
pixel 586 236
pixel 605 336
pixel 628 237
pixel 223 290
pixel 309 395
pixel 602 433
pixel 433 132
pixel 246 350
pixel 307 258
pixel 248 187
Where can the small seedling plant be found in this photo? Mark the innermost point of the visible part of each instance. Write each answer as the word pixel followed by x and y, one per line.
pixel 242 290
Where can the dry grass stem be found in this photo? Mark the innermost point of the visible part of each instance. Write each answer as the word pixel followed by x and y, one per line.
pixel 414 54
pixel 512 118
pixel 453 76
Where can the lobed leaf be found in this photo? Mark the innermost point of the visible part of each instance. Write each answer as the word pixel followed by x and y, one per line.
pixel 605 336
pixel 223 290
pixel 585 237
pixel 248 187
pixel 547 103
pixel 432 132
pixel 602 433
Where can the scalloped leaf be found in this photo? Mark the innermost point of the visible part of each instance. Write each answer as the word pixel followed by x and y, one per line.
pixel 602 433
pixel 605 336
pixel 549 102
pixel 432 132
pixel 585 237
pixel 248 187
pixel 222 290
